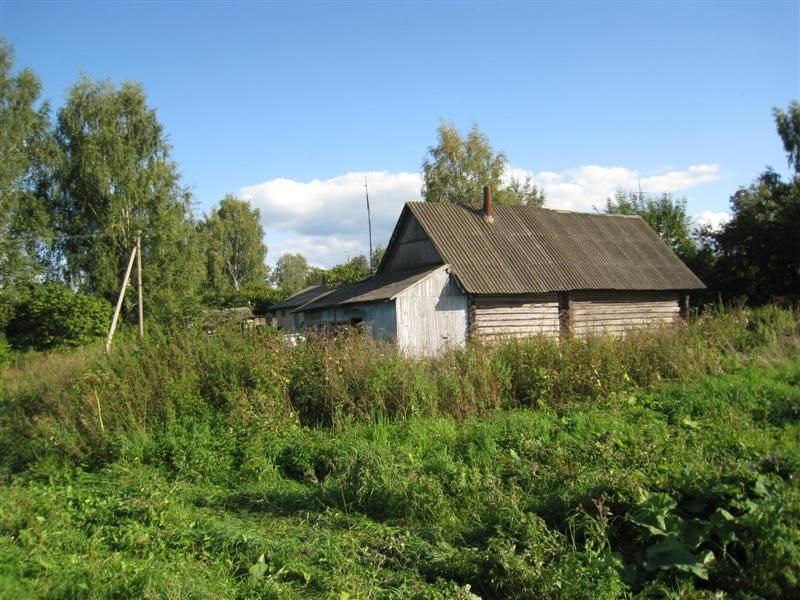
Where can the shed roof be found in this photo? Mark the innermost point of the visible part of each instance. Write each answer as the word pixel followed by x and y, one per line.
pixel 302 297
pixel 379 287
pixel 536 250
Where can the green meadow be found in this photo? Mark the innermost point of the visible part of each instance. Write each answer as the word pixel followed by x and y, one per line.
pixel 224 465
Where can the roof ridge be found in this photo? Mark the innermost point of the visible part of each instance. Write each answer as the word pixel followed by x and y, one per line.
pixel 522 206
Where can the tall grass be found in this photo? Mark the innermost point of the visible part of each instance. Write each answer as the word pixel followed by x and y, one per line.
pixel 565 501
pixel 89 409
pixel 663 464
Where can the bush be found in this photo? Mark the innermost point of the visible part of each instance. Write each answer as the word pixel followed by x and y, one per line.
pixel 53 316
pixel 5 350
pixel 257 380
pixel 257 295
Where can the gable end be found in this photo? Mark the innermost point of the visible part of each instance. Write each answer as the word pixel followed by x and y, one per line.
pixel 410 246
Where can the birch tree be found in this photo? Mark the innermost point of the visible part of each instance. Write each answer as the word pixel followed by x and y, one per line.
pixel 235 249
pixel 27 152
pixel 457 168
pixel 117 178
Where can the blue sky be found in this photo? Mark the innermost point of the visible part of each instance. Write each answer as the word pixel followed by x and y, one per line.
pixel 290 105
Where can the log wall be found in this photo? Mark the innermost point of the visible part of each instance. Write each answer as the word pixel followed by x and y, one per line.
pixel 616 312
pixel 502 317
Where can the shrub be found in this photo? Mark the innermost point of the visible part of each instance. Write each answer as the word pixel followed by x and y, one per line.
pixel 5 350
pixel 257 295
pixel 53 315
pixel 257 380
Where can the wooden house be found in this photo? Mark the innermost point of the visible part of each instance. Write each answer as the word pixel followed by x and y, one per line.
pixel 455 271
pixel 285 315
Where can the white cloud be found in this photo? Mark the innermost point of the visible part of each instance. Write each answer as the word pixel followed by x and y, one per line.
pixel 586 187
pixel 326 220
pixel 715 220
pixel 336 205
pixel 320 250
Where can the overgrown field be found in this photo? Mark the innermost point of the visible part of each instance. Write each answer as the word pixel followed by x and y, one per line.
pixel 664 464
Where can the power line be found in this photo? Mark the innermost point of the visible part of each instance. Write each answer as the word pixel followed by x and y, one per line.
pixel 58 237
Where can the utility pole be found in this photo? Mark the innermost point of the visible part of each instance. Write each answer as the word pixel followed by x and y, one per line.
pixel 119 301
pixel 139 284
pixel 369 223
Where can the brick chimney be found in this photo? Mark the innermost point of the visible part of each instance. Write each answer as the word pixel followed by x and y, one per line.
pixel 487 204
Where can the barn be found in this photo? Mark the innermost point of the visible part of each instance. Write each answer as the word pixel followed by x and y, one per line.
pixel 457 271
pixel 285 315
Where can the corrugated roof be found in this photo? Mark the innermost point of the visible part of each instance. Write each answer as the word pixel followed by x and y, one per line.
pixel 382 286
pixel 536 250
pixel 302 297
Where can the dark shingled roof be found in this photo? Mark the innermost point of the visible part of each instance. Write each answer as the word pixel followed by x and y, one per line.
pixel 382 286
pixel 302 297
pixel 536 250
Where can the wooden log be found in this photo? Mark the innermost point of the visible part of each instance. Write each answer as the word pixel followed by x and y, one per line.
pixel 673 304
pixel 670 302
pixel 517 335
pixel 523 310
pixel 517 318
pixel 630 322
pixel 611 322
pixel 624 296
pixel 618 314
pixel 491 330
pixel 499 302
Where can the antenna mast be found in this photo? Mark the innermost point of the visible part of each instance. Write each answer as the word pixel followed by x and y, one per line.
pixel 369 223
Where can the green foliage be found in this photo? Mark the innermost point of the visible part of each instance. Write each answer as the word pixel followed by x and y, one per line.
pixel 520 191
pixel 611 498
pixel 664 214
pixel 5 351
pixel 334 381
pixel 314 276
pixel 759 249
pixel 257 295
pixel 27 151
pixel 351 271
pixel 355 269
pixel 52 315
pixel 291 273
pixel 235 250
pixel 788 125
pixel 458 167
pixel 117 178
pixel 377 256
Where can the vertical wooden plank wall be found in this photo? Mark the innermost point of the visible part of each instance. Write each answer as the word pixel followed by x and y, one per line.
pixel 431 316
pixel 378 317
